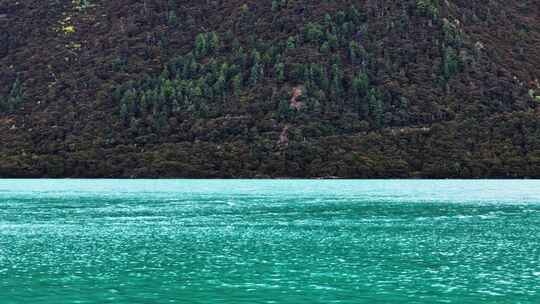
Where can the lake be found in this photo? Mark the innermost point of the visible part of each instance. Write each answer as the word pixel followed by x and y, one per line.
pixel 269 241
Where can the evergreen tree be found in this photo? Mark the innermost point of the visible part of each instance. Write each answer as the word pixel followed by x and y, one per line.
pixel 316 73
pixel 15 97
pixel 256 74
pixel 360 89
pixel 291 43
pixel 172 4
pixel 328 20
pixel 160 122
pixel 255 57
pixel 451 63
pixel 186 68
pixel 353 15
pixel 124 112
pixel 213 43
pixel 325 82
pixel 236 84
pixel 241 58
pixel 172 20
pixel 236 46
pixel 143 105
pixel 340 17
pixel 168 91
pixel 280 72
pixel 284 109
pixel 313 32
pixel 360 85
pixel 332 41
pixel 278 4
pixel 375 108
pixel 201 47
pixel 220 85
pixel 325 48
pixel 354 52
pixel 337 86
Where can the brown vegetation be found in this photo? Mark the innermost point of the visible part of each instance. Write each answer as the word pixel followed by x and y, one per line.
pixel 393 89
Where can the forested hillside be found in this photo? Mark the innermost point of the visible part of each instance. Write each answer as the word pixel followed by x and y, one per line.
pixel 262 88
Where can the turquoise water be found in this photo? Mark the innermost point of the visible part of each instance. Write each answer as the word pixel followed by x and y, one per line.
pixel 283 241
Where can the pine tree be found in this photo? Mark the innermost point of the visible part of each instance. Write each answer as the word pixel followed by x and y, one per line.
pixel 236 84
pixel 325 48
pixel 291 43
pixel 328 20
pixel 256 73
pixel 313 32
pixel 337 77
pixel 124 113
pixel 236 46
pixel 284 109
pixel 172 4
pixel 160 122
pixel 14 99
pixel 325 82
pixel 172 19
pixel 201 47
pixel 255 57
pixel 143 105
pixel 213 43
pixel 278 4
pixel 375 108
pixel 354 52
pixel 332 41
pixel 168 91
pixel 450 64
pixel 220 85
pixel 186 68
pixel 353 15
pixel 280 72
pixel 360 85
pixel 340 17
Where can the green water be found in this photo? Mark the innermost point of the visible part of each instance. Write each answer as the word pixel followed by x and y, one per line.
pixel 180 241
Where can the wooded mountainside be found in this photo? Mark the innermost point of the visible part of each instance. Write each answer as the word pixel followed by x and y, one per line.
pixel 262 88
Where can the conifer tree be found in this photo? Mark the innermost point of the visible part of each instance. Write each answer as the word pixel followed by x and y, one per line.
pixel 280 72
pixel 337 77
pixel 236 84
pixel 143 105
pixel 450 64
pixel 291 43
pixel 124 113
pixel 256 73
pixel 220 85
pixel 172 19
pixel 236 46
pixel 360 85
pixel 325 48
pixel 354 52
pixel 213 43
pixel 201 47
pixel 375 108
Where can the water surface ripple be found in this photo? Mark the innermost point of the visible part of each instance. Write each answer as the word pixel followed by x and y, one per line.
pixel 239 241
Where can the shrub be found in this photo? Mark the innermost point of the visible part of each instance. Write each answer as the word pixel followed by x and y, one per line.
pixel 428 7
pixel 14 99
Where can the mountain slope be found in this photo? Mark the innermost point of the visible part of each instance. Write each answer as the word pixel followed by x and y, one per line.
pixel 150 88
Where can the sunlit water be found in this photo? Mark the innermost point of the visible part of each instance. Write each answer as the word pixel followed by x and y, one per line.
pixel 180 241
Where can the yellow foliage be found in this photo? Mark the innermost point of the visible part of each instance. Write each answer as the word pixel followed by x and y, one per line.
pixel 74 46
pixel 68 29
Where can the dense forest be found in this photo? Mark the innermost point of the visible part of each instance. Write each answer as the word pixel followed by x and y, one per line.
pixel 270 88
